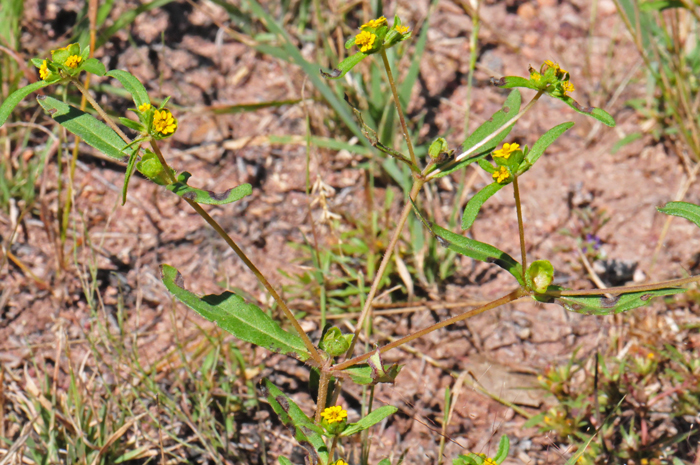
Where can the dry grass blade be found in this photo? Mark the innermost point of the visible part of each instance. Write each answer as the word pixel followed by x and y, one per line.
pixel 19 443
pixel 114 437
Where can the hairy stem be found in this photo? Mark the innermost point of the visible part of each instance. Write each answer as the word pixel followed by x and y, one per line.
pixel 322 395
pixel 516 294
pixel 397 102
pixel 521 229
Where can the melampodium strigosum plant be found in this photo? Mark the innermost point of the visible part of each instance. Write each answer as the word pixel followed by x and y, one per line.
pixel 331 359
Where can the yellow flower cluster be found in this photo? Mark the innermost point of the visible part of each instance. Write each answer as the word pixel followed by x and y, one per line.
pixel 501 175
pixel 374 23
pixel 365 40
pixel 334 414
pixel 144 107
pixel 164 122
pixel 561 73
pixel 73 61
pixel 44 71
pixel 340 462
pixel 567 87
pixel 401 29
pixel 506 150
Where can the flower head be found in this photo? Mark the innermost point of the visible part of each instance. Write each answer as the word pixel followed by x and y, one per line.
pixel 374 23
pixel 73 61
pixel 401 29
pixel 334 414
pixel 164 123
pixel 501 175
pixel 535 76
pixel 487 460
pixel 44 71
pixel 340 462
pixel 506 150
pixel 365 40
pixel 567 87
pixel 144 107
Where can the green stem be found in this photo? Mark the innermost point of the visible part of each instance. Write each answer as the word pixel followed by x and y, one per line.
pixel 332 449
pixel 487 139
pixel 521 229
pixel 516 294
pixel 397 102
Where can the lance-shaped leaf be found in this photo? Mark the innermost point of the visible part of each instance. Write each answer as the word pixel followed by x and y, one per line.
pixel 684 210
pixel 284 460
pixel 207 197
pixel 370 420
pixel 365 375
pixel 541 145
pixel 308 435
pixel 503 449
pixel 345 66
pixel 232 314
pixel 511 107
pixel 92 131
pixel 132 85
pixel 510 82
pixel 17 96
pixel 475 203
pixel 479 251
pixel 601 305
pixel 597 113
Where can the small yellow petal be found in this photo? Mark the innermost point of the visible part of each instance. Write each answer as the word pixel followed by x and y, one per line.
pixel 73 61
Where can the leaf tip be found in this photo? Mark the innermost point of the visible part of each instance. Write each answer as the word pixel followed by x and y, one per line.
pixel 498 82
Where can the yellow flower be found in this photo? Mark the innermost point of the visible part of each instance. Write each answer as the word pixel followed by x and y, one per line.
pixel 44 71
pixel 487 460
pixel 164 122
pixel 401 29
pixel 145 107
pixel 334 414
pixel 535 76
pixel 73 61
pixel 374 23
pixel 365 40
pixel 340 462
pixel 501 175
pixel 551 64
pixel 650 355
pixel 506 150
pixel 567 87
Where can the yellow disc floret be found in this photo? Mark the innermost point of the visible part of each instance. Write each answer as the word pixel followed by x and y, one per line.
pixel 506 150
pixel 164 122
pixel 365 40
pixel 334 414
pixel 340 462
pixel 535 76
pixel 401 29
pixel 374 23
pixel 501 175
pixel 73 61
pixel 145 107
pixel 567 87
pixel 487 460
pixel 44 71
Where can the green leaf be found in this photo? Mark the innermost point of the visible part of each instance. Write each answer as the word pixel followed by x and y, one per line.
pixel 284 460
pixel 511 107
pixel 479 251
pixel 370 420
pixel 131 124
pixel 509 82
pixel 92 131
pixel 503 449
pixel 308 435
pixel 131 84
pixel 232 314
pixel 207 197
pixel 597 113
pixel 661 5
pixel 129 171
pixel 345 66
pixel 94 66
pixel 545 141
pixel 448 167
pixel 475 203
pixel 685 210
pixel 601 305
pixel 364 375
pixel 384 462
pixel 17 96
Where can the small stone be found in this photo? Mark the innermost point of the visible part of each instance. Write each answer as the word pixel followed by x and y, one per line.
pixel 527 11
pixel 639 276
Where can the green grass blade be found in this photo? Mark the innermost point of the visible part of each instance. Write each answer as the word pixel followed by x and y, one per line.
pixel 406 87
pixel 684 210
pixel 92 131
pixel 475 203
pixel 207 197
pixel 232 314
pixel 17 96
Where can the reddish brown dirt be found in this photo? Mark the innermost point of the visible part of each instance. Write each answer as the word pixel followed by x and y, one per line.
pixel 155 227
